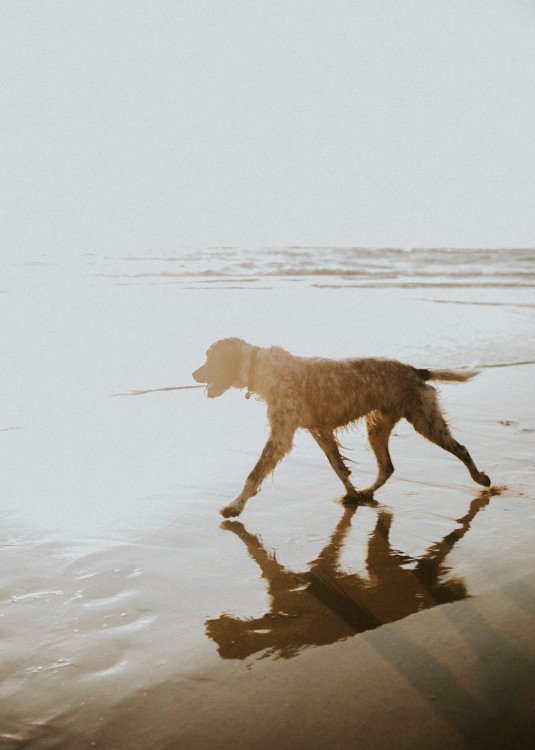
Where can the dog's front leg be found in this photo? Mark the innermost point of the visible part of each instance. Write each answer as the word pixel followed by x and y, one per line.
pixel 278 445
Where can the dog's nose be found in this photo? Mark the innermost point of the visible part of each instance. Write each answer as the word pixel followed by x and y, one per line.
pixel 198 375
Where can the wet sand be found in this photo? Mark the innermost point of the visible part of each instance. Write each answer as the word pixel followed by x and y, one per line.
pixel 133 617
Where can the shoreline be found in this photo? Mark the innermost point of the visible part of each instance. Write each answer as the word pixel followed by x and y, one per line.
pixel 454 672
pixel 132 618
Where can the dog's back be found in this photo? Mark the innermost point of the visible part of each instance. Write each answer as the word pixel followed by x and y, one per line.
pixel 338 392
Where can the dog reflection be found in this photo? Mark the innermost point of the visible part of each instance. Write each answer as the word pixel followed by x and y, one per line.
pixel 324 604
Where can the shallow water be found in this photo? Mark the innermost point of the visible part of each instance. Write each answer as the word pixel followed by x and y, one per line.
pixel 115 573
pixel 355 266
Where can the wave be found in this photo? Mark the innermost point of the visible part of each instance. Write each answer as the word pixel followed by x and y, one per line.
pixel 386 266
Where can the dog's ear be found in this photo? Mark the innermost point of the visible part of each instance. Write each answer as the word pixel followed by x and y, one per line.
pixel 228 355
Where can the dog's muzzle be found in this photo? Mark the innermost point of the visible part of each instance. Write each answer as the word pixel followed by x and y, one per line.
pixel 200 375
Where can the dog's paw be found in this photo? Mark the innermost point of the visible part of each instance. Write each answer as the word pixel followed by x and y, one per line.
pixel 358 496
pixel 483 479
pixel 230 511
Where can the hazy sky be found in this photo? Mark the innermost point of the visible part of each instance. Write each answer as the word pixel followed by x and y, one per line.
pixel 146 126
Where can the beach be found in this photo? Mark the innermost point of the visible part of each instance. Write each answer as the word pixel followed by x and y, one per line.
pixel 133 616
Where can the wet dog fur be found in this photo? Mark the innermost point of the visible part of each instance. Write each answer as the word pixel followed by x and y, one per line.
pixel 322 395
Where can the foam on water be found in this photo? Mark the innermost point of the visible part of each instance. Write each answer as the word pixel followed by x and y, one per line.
pixel 348 265
pixel 361 266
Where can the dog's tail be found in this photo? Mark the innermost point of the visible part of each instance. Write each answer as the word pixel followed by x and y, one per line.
pixel 458 376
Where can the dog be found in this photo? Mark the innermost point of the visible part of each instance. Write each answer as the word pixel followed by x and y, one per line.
pixel 321 395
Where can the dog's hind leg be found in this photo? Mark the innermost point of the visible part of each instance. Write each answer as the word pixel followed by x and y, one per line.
pixel 379 428
pixel 425 416
pixel 277 446
pixel 327 442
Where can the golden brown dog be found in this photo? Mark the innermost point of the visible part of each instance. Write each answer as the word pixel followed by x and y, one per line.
pixel 322 395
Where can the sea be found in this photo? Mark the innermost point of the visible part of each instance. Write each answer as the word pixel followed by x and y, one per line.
pixel 113 564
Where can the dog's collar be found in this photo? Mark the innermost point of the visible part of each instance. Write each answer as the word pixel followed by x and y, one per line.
pixel 251 374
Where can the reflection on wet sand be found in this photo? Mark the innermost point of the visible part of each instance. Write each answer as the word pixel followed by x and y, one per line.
pixel 324 604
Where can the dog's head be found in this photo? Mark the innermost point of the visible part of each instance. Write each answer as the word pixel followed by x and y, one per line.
pixel 222 368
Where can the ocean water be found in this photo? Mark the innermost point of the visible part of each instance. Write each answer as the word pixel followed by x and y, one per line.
pixel 351 265
pixel 365 267
pixel 111 557
pixel 384 291
pixel 77 331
